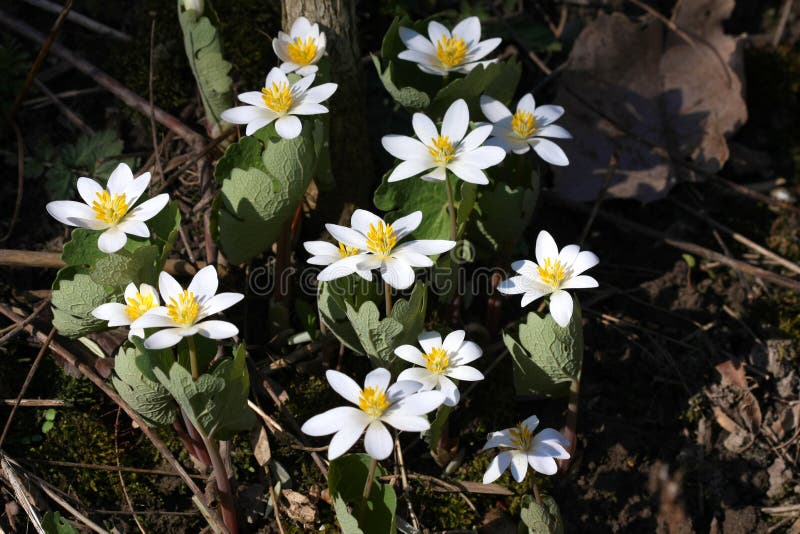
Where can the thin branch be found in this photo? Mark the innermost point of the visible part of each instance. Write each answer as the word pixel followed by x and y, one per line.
pixel 81 20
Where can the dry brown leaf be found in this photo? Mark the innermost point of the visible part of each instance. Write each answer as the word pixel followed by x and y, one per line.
pixel 637 90
pixel 299 508
pixel 261 449
pixel 732 375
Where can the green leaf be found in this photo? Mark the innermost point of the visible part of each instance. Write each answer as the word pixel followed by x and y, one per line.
pixel 164 229
pixel 120 269
pixel 204 52
pixel 244 154
pixel 346 479
pixel 403 197
pixel 542 518
pixel 410 98
pixel 332 300
pixel 379 337
pixel 82 249
pixel 74 296
pixel 140 388
pixel 53 523
pixel 505 213
pixel 498 80
pixel 257 200
pixel 546 356
pixel 217 402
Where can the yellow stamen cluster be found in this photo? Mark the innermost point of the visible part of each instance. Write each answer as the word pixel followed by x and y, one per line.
pixel 451 51
pixel 109 209
pixel 301 52
pixel 373 402
pixel 437 361
pixel 138 305
pixel 552 272
pixel 183 309
pixel 345 251
pixel 441 149
pixel 521 437
pixel 523 123
pixel 278 98
pixel 381 239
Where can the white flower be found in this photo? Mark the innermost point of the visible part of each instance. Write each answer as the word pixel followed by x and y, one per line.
pixel 185 310
pixel 110 209
pixel 378 241
pixel 440 361
pixel 553 273
pixel 280 101
pixel 324 253
pixel 301 49
pixel 196 5
pixel 379 404
pixel 137 303
pixel 446 52
pixel 527 128
pixel 524 449
pixel 448 150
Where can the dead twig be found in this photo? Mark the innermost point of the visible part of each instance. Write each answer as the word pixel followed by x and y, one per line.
pixel 12 331
pixel 52 260
pixel 20 179
pixel 81 20
pixel 122 484
pixel 20 492
pixel 786 10
pixel 34 403
pixel 109 468
pixel 70 115
pixel 152 115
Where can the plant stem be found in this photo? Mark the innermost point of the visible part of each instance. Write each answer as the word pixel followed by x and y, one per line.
pixel 370 477
pixel 223 484
pixel 537 493
pixel 451 207
pixel 388 296
pixel 570 427
pixel 193 358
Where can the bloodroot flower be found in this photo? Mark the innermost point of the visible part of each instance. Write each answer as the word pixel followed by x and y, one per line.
pixel 280 101
pixel 301 49
pixel 186 310
pixel 111 209
pixel 441 361
pixel 137 303
pixel 325 254
pixel 379 404
pixel 445 52
pixel 521 448
pixel 527 128
pixel 552 273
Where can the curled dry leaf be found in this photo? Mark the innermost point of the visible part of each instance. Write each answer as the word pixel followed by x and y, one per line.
pixel 299 508
pixel 650 96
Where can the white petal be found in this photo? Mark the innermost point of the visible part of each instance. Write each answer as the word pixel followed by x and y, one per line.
pixel 149 208
pixel 543 464
pixel 579 282
pixel 343 385
pixel 333 421
pixel 426 59
pixel 527 103
pixel 414 259
pixel 469 352
pixel 585 260
pixel 88 190
pixel 532 296
pixel 453 341
pixel 325 260
pixel 568 254
pixel 346 438
pixel 402 389
pixel 119 179
pixel 406 423
pixel 321 248
pixel 217 329
pixel 299 87
pixel 309 109
pixel 465 372
pixel 168 286
pixel 449 390
pixel 419 403
pixel 288 126
pixel 469 30
pixel 427 247
pixel 164 338
pixel 340 268
pixel 469 173
pixel 555 131
pixel 301 27
pixel 481 157
pixel 407 169
pixel 256 125
pixel 429 341
pixel 204 284
pixel 70 212
pixel 133 227
pixel 404 147
pixel 552 435
pixel 531 422
pixel 496 468
pixel 424 128
pixel 113 312
pixel 548 114
pixel 277 76
pixel 111 240
pixel 549 151
pixel 415 41
pixel 420 375
pixel 437 175
pixel 348 236
pixel 519 465
pixel 561 307
pixel 526 268
pixel 361 220
pixel 409 353
pixel 501 438
pixel 477 136
pixel 514 286
pixel 407 224
pixel 130 290
pixel 378 378
pixel 253 98
pixel 244 114
pixel 456 121
pixel 378 441
pixel 147 289
pixel 436 31
pixel 545 247
pixel 494 110
pixel 136 188
pixel 480 51
pixel 220 302
pixel 154 318
pixel 320 93
pixel 397 273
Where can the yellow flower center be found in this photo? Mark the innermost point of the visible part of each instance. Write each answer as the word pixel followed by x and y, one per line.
pixel 521 437
pixel 373 402
pixel 523 123
pixel 109 209
pixel 451 51
pixel 437 361
pixel 184 309
pixel 278 98
pixel 346 251
pixel 552 272
pixel 381 239
pixel 138 305
pixel 301 52
pixel 441 149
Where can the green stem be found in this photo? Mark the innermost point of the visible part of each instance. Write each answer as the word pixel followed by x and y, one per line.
pixel 451 207
pixel 193 358
pixel 370 477
pixel 388 296
pixel 223 484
